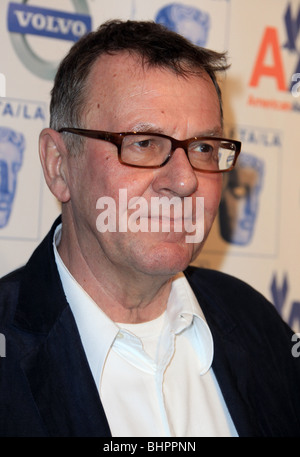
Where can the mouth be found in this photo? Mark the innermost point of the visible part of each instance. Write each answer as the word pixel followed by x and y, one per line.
pixel 154 224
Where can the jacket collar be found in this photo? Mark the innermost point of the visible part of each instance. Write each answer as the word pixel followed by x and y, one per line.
pixel 62 385
pixel 232 365
pixel 55 364
pixel 41 296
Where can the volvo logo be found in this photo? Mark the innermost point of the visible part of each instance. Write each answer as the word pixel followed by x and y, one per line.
pixel 23 20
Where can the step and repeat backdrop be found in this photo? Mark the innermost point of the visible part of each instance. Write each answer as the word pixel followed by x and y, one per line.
pixel 256 234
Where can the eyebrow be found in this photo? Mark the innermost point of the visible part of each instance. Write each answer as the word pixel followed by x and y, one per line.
pixel 147 127
pixel 216 131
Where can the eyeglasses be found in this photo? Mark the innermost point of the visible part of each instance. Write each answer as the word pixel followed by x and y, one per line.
pixel 153 150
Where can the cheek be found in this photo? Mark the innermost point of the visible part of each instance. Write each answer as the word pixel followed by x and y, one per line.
pixel 85 183
pixel 116 177
pixel 104 176
pixel 94 174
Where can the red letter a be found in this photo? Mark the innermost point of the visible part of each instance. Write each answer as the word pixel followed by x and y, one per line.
pixel 269 42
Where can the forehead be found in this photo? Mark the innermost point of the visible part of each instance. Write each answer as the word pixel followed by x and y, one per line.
pixel 120 87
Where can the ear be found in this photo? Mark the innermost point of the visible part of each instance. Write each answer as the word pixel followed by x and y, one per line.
pixel 53 155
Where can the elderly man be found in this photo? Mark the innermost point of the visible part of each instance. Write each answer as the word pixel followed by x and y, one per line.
pixel 105 335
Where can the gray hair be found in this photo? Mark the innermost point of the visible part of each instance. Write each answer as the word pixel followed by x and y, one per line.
pixel 155 44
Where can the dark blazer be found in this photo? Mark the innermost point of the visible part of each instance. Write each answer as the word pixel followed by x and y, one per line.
pixel 47 389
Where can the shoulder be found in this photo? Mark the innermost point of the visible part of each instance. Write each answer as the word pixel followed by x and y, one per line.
pixel 227 294
pixel 9 293
pixel 219 283
pixel 232 307
pixel 12 277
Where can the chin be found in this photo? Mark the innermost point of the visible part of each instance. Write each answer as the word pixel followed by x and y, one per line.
pixel 167 259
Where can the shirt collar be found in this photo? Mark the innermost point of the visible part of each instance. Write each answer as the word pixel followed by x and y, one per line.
pixel 98 331
pixel 186 316
pixel 184 304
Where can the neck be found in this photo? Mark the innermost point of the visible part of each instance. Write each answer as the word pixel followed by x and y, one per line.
pixel 125 295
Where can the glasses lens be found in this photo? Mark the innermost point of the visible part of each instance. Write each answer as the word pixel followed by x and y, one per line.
pixel 145 150
pixel 227 153
pixel 212 154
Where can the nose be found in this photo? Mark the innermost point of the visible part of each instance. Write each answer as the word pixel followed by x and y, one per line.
pixel 177 177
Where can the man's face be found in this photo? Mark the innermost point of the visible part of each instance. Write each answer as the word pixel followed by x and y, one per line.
pixel 124 97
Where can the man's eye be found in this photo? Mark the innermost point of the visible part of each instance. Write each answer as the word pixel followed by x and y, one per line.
pixel 203 147
pixel 143 144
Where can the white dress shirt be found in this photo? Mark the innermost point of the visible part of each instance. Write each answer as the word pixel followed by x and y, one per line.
pixel 154 379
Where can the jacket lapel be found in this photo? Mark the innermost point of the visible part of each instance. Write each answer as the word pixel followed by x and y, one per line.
pixel 62 385
pixel 231 365
pixel 233 372
pixel 55 364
